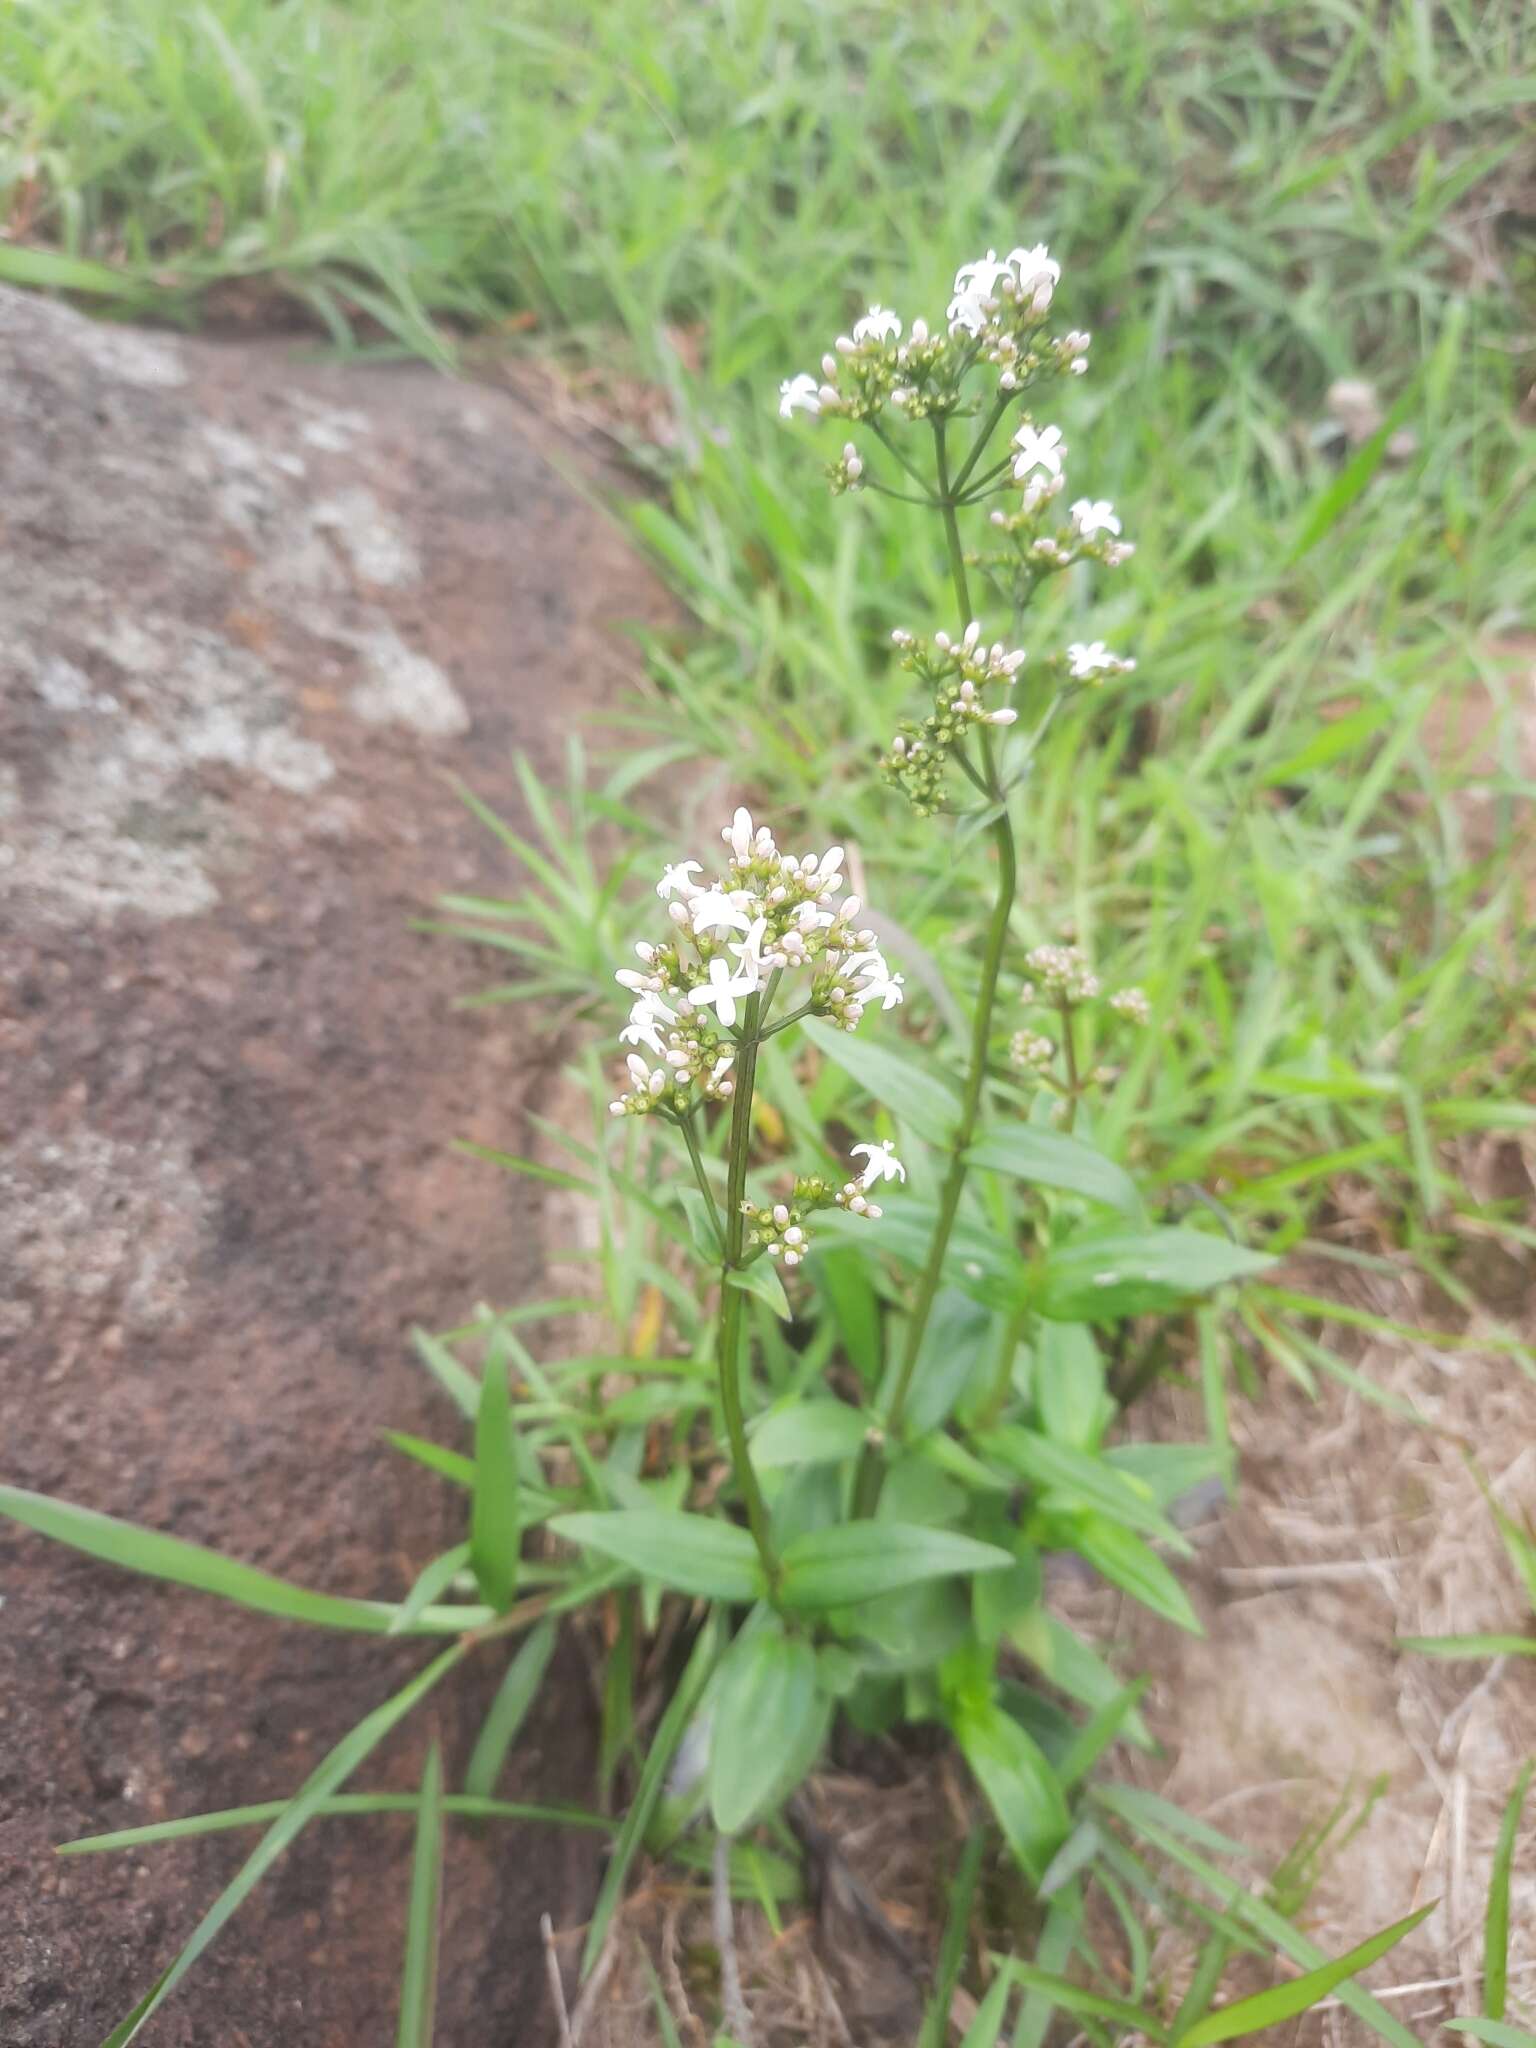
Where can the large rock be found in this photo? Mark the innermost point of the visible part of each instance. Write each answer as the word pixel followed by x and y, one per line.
pixel 253 608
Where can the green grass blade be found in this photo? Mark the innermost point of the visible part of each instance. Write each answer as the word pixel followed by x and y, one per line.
pixel 495 1529
pixel 1496 1919
pixel 1497 2033
pixel 156 1556
pixel 430 1581
pixel 1284 2001
pixel 418 1975
pixel 358 1805
pixel 353 1747
pixel 449 1464
pixel 669 1733
pixel 962 1894
pixel 514 1696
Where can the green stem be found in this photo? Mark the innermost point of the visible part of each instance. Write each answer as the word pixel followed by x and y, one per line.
pixel 691 1140
pixel 999 407
pixel 951 525
pixel 911 468
pixel 732 1299
pixel 871 1471
pixel 1002 1377
pixel 1069 1047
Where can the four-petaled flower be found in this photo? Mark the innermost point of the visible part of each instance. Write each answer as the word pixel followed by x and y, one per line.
pixel 1094 515
pixel 1090 659
pixel 880 1164
pixel 799 394
pixel 1039 448
pixel 723 989
pixel 677 880
pixel 878 324
pixel 712 910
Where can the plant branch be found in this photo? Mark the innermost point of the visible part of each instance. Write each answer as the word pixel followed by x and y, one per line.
pixel 732 1299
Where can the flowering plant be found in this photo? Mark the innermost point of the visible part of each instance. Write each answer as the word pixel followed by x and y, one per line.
pixel 853 1491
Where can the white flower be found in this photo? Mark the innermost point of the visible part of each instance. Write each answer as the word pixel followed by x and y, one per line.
pixel 968 313
pixel 884 989
pixel 1091 659
pixel 1039 448
pixel 1034 269
pixel 979 280
pixel 712 910
pixel 750 950
pixel 723 989
pixel 799 394
pixel 1094 515
pixel 878 324
pixel 881 1163
pixel 738 835
pixel 676 880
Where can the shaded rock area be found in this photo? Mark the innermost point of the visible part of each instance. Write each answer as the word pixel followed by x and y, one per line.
pixel 254 609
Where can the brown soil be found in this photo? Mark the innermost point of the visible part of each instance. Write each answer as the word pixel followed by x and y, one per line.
pixel 254 610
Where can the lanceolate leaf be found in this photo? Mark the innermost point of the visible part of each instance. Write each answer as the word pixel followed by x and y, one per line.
pixel 1100 1277
pixel 808 1433
pixel 1284 2001
pixel 1129 1563
pixel 768 1698
pixel 857 1560
pixel 1019 1784
pixel 189 1564
pixel 692 1553
pixel 762 1279
pixel 928 1104
pixel 1052 1159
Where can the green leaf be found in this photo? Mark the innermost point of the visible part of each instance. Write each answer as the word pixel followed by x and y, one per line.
pixel 1073 1480
pixel 653 1776
pixel 1233 1894
pixel 347 1805
pixel 1019 1784
pixel 461 1386
pixel 1496 1919
pixel 1497 2033
pixel 430 1581
pixel 808 1433
pixel 762 1279
pixel 1087 2004
pixel 188 1564
pixel 1052 1159
pixel 516 1693
pixel 1127 1562
pixel 50 270
pixel 768 1699
pixel 928 1104
pixel 1071 1389
pixel 1100 1277
pixel 450 1464
pixel 339 1765
pixel 1452 1647
pixel 845 1281
pixel 1284 2001
pixel 495 1533
pixel 418 1977
pixel 959 1337
pixel 980 1262
pixel 695 1554
pixel 857 1560
pixel 957 1928
pixel 1091 1740
pixel 703 1223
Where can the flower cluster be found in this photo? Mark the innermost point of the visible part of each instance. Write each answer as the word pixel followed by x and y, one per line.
pixel 1064 983
pixel 958 671
pixel 769 913
pixel 780 1229
pixel 997 316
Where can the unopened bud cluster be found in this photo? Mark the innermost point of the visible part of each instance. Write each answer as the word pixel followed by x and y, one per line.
pixel 958 671
pixel 779 1230
pixel 1064 982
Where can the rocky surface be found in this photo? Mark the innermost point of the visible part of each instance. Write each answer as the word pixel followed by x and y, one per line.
pixel 254 610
